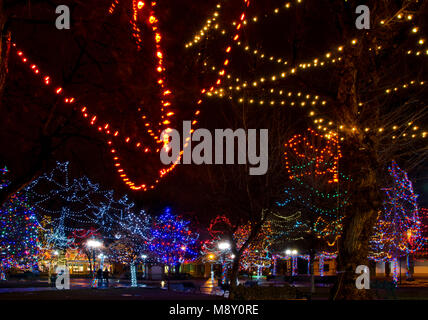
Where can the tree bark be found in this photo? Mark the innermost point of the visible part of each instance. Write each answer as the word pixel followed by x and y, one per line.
pixel 238 253
pixel 357 229
pixel 362 165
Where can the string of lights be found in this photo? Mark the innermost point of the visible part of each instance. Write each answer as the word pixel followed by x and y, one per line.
pixel 113 134
pixel 398 231
pixel 75 204
pixel 19 241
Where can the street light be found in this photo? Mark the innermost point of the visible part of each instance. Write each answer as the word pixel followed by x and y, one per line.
pixel 92 244
pixel 289 252
pixel 224 245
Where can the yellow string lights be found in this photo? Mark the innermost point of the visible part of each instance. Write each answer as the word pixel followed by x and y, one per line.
pixel 237 85
pixel 209 24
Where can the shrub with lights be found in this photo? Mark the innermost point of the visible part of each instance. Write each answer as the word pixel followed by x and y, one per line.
pixel 398 231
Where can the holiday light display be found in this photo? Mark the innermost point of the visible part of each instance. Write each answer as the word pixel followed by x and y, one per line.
pixel 333 57
pixel 132 242
pixel 257 255
pixel 75 204
pixel 19 243
pixel 172 240
pixel 312 161
pixel 145 13
pixel 320 160
pixel 291 256
pixel 322 257
pixel 3 181
pixel 56 236
pixel 112 134
pixel 218 248
pixel 398 231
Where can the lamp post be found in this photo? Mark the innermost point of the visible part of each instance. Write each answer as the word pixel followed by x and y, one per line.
pixel 93 244
pixel 293 253
pixel 224 246
pixel 211 258
pixel 144 257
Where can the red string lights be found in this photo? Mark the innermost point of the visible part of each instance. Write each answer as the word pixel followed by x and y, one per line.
pixel 113 135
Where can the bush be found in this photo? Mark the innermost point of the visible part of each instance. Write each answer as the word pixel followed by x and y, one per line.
pixel 264 293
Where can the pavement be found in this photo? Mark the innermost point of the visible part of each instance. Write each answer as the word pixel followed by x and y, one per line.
pixel 201 290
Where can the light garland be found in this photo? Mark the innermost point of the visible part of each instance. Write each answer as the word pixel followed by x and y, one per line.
pixel 411 130
pixel 400 16
pixel 293 99
pixel 108 130
pixel 172 239
pixel 318 157
pixel 257 254
pixel 83 203
pixel 202 33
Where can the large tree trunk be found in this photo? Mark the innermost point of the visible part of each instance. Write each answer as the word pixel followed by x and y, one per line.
pixel 362 165
pixel 359 220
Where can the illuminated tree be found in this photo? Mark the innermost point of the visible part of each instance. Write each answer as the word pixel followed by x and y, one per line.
pixel 316 193
pixel 172 240
pixel 19 245
pixel 375 110
pixel 316 186
pixel 81 237
pixel 399 230
pixel 75 204
pixel 132 242
pixel 257 255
